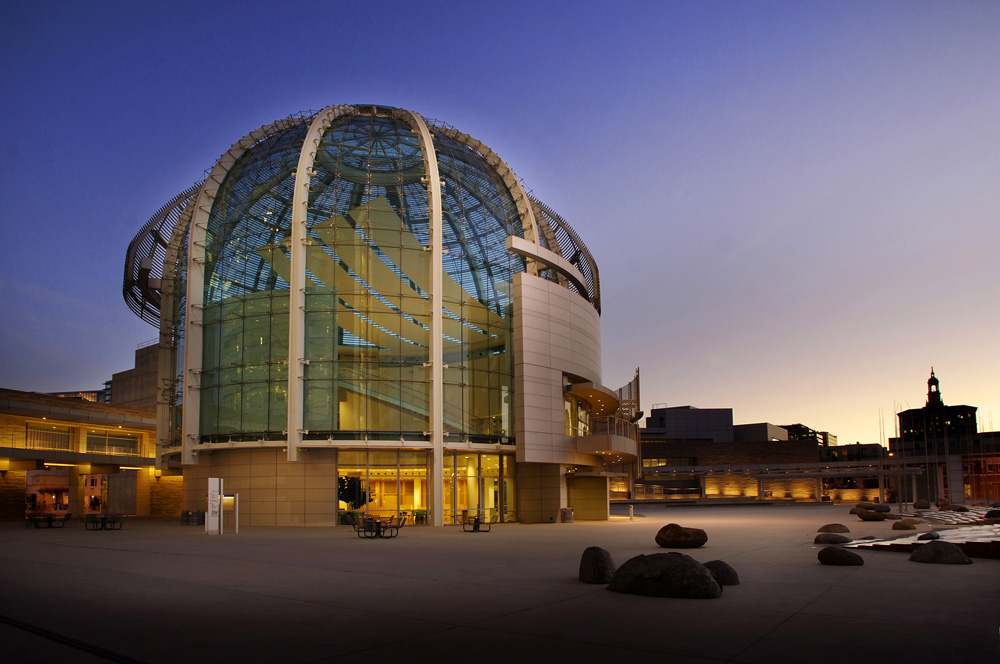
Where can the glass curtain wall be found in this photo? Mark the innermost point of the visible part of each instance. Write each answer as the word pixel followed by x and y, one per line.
pixel 479 483
pixel 479 214
pixel 244 389
pixel 383 483
pixel 367 283
pixel 367 311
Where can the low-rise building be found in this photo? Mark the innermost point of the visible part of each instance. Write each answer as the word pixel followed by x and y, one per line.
pixel 73 457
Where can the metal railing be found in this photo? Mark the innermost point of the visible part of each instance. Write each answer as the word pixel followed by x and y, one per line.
pixel 614 426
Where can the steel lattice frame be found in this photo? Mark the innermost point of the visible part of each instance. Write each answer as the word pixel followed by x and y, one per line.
pixel 146 255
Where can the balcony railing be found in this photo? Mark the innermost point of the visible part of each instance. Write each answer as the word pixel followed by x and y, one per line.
pixel 614 426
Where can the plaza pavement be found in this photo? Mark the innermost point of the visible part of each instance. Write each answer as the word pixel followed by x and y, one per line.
pixel 162 592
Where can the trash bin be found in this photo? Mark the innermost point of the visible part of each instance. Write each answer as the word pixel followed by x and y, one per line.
pixel 566 515
pixel 192 518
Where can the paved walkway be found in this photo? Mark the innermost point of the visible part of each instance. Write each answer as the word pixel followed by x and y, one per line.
pixel 162 592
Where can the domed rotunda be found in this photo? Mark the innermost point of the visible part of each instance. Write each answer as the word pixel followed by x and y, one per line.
pixel 361 310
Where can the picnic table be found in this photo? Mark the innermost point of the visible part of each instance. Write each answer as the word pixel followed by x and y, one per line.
pixel 103 521
pixel 478 523
pixel 367 526
pixel 47 520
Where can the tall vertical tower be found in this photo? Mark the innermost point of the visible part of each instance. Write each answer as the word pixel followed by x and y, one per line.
pixel 933 391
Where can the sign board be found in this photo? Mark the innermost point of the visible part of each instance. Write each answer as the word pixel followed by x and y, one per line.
pixel 213 515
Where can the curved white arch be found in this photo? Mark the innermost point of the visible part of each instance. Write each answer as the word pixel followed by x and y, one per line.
pixel 433 174
pixel 297 283
pixel 193 337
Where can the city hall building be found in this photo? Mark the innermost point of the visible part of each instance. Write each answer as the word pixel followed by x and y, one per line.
pixel 362 310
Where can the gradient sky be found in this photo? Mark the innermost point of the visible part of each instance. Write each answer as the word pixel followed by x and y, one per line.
pixel 794 206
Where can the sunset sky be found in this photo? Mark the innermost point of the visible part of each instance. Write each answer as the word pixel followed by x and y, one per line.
pixel 794 206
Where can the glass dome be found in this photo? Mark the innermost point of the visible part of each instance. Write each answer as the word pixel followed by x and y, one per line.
pixel 368 322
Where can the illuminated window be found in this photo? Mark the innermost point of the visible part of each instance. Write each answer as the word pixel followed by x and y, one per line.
pixel 576 414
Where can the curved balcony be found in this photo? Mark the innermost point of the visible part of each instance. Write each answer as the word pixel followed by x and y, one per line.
pixel 611 437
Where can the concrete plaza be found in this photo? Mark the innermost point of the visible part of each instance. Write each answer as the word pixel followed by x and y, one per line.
pixel 163 592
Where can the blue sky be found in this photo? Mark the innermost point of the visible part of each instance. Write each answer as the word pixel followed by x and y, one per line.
pixel 794 205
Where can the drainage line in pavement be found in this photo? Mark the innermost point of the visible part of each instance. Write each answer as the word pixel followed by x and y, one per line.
pixel 73 643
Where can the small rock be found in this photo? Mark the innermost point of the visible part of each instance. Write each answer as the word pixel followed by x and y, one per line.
pixel 959 508
pixel 940 552
pixel 596 565
pixel 665 575
pixel 723 573
pixel 892 517
pixel 913 521
pixel 930 535
pixel 833 555
pixel 921 504
pixel 834 528
pixel 673 536
pixel 992 514
pixel 831 538
pixel 902 525
pixel 869 515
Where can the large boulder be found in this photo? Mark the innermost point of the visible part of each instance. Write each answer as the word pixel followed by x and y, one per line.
pixel 596 565
pixel 833 555
pixel 940 552
pixel 723 573
pixel 665 575
pixel 834 528
pixel 869 515
pixel 673 536
pixel 902 525
pixel 831 538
